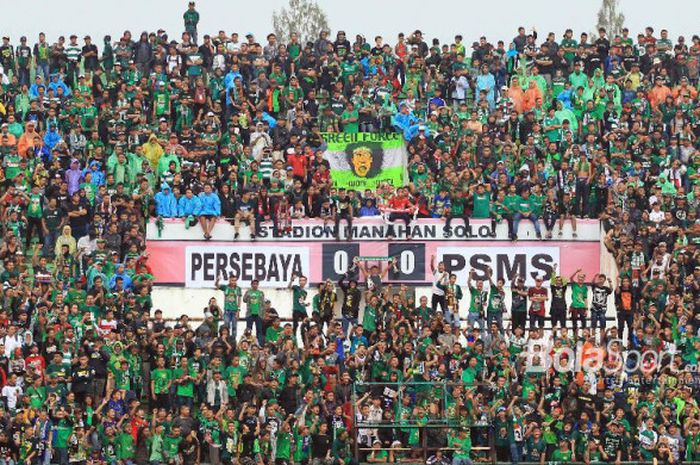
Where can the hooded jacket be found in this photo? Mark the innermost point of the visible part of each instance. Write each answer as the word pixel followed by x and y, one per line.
pixel 121 273
pixel 52 138
pixel 164 163
pixel 152 151
pixel 55 84
pixel 187 207
pixel 210 204
pixel 166 203
pixel 98 176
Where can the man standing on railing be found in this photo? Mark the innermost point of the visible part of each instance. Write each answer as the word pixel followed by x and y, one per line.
pixel 232 303
pixel 350 308
pixel 438 297
pixel 255 298
pixel 476 301
pixel 299 304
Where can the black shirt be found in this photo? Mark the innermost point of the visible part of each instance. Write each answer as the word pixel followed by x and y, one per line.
pixel 320 444
pixel 90 62
pixel 558 297
pixel 82 378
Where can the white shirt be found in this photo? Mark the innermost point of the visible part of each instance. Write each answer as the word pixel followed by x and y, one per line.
pixel 656 216
pixel 437 278
pixel 11 393
pixel 460 89
pixel 219 62
pixel 11 344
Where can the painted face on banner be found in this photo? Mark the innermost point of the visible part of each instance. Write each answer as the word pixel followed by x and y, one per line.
pixel 361 161
pixel 365 159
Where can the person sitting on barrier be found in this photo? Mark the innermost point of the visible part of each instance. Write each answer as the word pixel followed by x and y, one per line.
pixel 525 209
pixel 188 207
pixel 326 212
pixel 282 217
pixel 550 212
pixel 245 211
pixel 441 204
pixel 567 212
pixel 343 211
pixel 209 210
pixel 369 208
pixel 481 202
pixel 401 208
pixel 459 209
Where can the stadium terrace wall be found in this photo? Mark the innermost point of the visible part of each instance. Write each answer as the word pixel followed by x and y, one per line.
pixel 187 268
pixel 194 263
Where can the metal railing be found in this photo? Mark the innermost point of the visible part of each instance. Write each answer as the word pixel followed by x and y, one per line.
pixel 444 422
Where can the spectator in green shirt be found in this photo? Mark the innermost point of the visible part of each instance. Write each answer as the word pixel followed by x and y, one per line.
pixel 458 209
pixel 349 119
pixel 254 298
pixel 462 444
pixel 232 303
pixel 525 209
pixel 161 380
pixel 273 332
pixel 184 381
pixel 579 299
pixel 299 304
pixel 482 202
pixel 563 453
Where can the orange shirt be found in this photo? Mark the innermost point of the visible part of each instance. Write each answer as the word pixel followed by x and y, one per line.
pixel 11 140
pixel 657 95
pixel 681 90
pixel 530 98
pixel 517 96
pixel 26 141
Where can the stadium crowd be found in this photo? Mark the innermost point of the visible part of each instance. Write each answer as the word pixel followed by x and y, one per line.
pixel 99 138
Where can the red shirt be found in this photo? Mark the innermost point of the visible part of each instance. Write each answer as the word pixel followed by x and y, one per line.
pixel 37 362
pixel 400 203
pixel 298 163
pixel 322 178
pixel 537 308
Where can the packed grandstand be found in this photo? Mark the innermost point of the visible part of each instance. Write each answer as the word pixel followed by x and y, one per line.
pixel 402 241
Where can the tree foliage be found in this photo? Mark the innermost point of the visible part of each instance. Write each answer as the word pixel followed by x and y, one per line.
pixel 611 18
pixel 305 17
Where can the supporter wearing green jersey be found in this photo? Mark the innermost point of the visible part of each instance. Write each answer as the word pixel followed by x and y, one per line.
pixel 579 299
pixel 232 303
pixel 255 299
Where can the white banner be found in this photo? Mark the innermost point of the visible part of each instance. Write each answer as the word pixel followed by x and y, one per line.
pixel 506 262
pixel 371 229
pixel 272 266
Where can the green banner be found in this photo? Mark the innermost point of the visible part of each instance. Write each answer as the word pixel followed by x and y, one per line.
pixel 365 160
